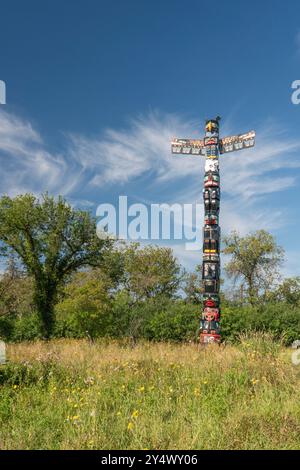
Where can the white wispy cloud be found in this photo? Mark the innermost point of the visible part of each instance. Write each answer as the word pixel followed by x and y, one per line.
pixel 138 158
pixel 143 146
pixel 121 156
pixel 112 157
pixel 257 171
pixel 25 163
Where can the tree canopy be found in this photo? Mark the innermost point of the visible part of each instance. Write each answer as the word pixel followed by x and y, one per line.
pixel 255 260
pixel 52 240
pixel 150 271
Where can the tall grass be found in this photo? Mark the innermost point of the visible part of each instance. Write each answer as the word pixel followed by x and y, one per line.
pixel 69 394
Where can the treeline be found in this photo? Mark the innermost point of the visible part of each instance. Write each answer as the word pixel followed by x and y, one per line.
pixel 62 280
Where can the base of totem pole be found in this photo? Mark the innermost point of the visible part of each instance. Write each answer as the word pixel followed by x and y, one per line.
pixel 206 338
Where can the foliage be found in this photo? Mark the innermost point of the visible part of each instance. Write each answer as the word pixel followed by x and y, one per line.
pixel 175 321
pixel 288 291
pixel 98 289
pixel 150 271
pixel 27 327
pixel 255 259
pixel 280 319
pixel 16 295
pixel 86 305
pixel 192 285
pixel 52 240
pixel 6 328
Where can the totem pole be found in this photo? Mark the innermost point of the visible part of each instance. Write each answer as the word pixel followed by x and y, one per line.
pixel 211 147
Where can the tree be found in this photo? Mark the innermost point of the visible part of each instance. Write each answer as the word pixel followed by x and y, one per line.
pixel 86 305
pixel 150 271
pixel 15 295
pixel 255 259
pixel 192 285
pixel 288 291
pixel 52 240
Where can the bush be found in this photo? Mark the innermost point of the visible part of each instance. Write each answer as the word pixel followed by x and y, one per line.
pixel 281 320
pixel 27 328
pixel 158 319
pixel 175 321
pixel 6 328
pixel 85 308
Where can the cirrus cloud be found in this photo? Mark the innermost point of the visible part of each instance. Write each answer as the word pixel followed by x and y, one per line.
pixel 137 160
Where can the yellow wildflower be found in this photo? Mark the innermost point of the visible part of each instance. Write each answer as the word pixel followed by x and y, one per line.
pixel 130 426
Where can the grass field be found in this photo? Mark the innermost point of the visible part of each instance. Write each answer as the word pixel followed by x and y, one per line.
pixel 70 394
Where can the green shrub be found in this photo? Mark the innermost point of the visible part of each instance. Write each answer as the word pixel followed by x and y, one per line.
pixel 27 328
pixel 85 308
pixel 281 320
pixel 176 321
pixel 6 328
pixel 158 318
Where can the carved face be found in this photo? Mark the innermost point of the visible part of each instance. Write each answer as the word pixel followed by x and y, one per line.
pixel 210 300
pixel 211 179
pixel 211 219
pixel 211 314
pixel 212 126
pixel 210 326
pixel 211 165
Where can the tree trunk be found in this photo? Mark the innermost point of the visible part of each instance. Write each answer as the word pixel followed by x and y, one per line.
pixel 45 301
pixel 251 292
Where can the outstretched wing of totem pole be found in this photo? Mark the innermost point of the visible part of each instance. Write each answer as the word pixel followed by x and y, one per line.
pixel 211 147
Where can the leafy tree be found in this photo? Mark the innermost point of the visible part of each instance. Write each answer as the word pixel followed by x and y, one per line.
pixel 86 305
pixel 150 271
pixel 288 291
pixel 255 259
pixel 192 285
pixel 16 293
pixel 147 277
pixel 52 240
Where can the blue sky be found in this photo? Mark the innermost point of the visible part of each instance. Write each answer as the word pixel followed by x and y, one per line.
pixel 96 89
